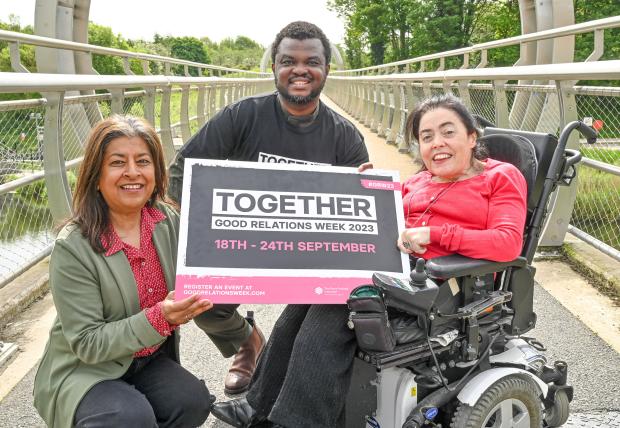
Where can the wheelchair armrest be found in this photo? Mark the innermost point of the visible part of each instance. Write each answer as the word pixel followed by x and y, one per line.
pixel 457 265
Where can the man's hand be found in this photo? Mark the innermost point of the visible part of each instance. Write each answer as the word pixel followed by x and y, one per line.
pixel 363 167
pixel 414 240
pixel 182 311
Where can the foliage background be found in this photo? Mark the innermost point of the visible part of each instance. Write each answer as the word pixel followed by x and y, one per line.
pixel 381 31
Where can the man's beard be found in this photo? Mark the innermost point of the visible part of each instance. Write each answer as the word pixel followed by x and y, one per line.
pixel 298 99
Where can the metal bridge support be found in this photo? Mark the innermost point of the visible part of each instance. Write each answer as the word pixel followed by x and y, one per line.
pixel 527 57
pixel 544 111
pixel 67 20
pixel 58 191
pixel 540 111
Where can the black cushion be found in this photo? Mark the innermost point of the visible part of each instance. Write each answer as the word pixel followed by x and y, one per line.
pixel 544 145
pixel 518 151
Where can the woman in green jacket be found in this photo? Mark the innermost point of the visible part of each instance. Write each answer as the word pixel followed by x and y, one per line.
pixel 112 357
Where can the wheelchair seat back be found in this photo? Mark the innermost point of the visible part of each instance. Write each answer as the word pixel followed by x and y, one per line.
pixel 510 145
pixel 532 154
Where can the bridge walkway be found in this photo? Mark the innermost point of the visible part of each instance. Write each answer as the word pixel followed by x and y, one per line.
pixel 575 322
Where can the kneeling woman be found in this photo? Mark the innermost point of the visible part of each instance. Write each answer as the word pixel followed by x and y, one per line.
pixel 112 356
pixel 459 203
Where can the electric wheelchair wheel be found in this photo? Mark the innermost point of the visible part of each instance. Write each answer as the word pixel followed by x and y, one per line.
pixel 557 414
pixel 510 402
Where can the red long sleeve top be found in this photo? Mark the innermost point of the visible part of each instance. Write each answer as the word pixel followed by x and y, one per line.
pixel 481 217
pixel 147 271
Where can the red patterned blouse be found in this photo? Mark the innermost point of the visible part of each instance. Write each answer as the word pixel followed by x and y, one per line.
pixel 147 271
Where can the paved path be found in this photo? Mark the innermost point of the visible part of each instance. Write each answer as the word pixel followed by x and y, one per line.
pixel 594 366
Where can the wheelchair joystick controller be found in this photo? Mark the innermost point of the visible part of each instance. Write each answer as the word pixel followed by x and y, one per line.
pixel 418 276
pixel 414 295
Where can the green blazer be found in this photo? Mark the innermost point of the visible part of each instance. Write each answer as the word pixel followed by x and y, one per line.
pixel 99 324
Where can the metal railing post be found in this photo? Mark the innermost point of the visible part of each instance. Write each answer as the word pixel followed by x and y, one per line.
pixel 222 98
pixel 378 109
pixel 397 115
pixel 185 131
pixel 562 203
pixel 16 63
pixel 165 131
pixel 408 89
pixel 501 104
pixel 58 190
pixel 200 105
pixel 118 99
pixel 384 124
pixel 212 100
pixel 149 105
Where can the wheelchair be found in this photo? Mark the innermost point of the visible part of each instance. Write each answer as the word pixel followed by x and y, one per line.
pixel 460 356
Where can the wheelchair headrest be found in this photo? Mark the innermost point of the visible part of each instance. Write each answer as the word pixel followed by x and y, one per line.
pixel 544 146
pixel 518 151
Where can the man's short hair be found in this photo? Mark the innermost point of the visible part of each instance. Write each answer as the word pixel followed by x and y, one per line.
pixel 301 30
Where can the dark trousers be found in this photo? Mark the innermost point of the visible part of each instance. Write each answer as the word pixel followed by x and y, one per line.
pixel 155 392
pixel 305 370
pixel 226 328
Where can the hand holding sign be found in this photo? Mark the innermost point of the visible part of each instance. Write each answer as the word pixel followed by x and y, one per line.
pixel 182 311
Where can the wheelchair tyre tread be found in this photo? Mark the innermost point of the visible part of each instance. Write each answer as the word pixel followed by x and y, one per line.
pixel 557 415
pixel 511 387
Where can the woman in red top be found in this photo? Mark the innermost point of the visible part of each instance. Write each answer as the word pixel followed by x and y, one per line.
pixel 460 202
pixel 112 356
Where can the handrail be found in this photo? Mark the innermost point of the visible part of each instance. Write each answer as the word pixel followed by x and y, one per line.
pixel 45 82
pixel 565 71
pixel 41 82
pixel 48 42
pixel 598 24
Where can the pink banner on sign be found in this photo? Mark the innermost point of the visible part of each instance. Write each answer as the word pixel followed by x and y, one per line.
pixel 380 185
pixel 296 290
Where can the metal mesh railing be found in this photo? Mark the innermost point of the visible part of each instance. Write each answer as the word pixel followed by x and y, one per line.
pixel 25 221
pixel 597 207
pixel 482 102
pixel 536 107
pixel 134 104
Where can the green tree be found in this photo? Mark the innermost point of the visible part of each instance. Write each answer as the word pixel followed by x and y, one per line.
pixel 498 20
pixel 392 30
pixel 242 52
pixel 367 29
pixel 26 52
pixel 187 48
pixel 26 55
pixel 597 9
pixel 442 25
pixel 190 49
pixel 101 35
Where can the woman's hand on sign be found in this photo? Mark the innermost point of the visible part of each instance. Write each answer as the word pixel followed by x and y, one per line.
pixel 414 240
pixel 182 311
pixel 363 167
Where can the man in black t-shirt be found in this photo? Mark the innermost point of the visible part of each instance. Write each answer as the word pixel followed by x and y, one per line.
pixel 288 126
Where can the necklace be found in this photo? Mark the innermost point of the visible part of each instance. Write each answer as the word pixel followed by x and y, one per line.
pixel 433 201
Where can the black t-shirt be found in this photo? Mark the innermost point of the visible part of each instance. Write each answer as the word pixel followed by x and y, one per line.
pixel 256 129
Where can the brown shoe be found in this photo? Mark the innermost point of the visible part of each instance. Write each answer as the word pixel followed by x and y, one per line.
pixel 244 363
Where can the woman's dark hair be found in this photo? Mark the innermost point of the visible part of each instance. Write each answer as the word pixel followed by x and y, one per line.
pixel 90 211
pixel 450 102
pixel 301 30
